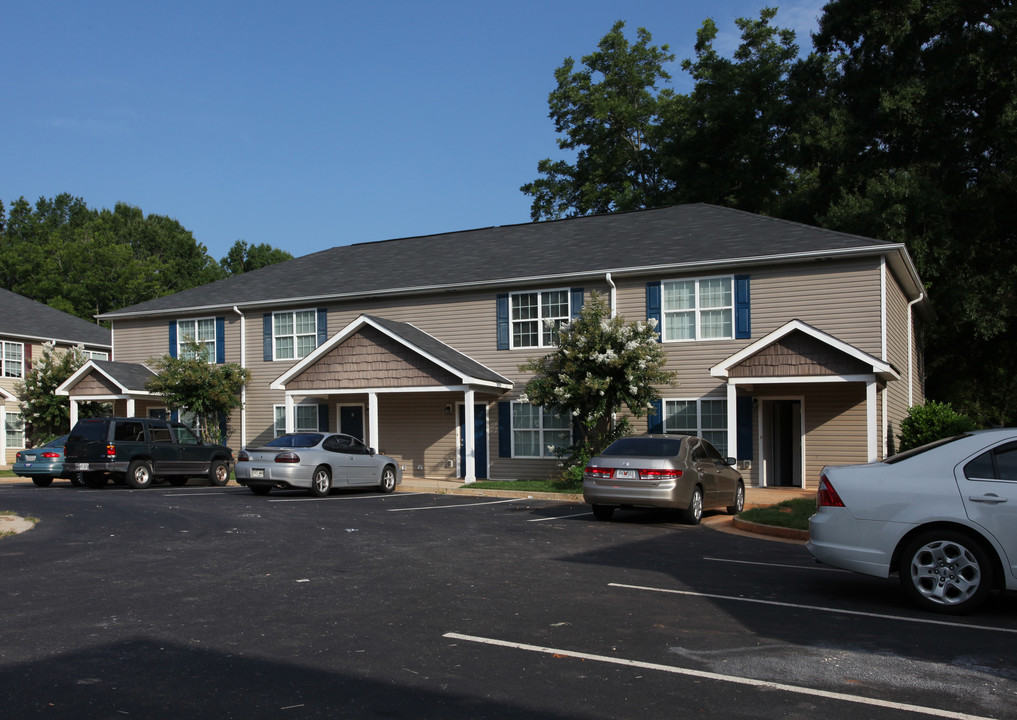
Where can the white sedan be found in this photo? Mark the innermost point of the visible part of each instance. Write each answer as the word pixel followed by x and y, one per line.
pixel 942 516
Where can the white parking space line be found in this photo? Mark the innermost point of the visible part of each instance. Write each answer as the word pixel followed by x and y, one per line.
pixel 763 564
pixel 561 517
pixel 389 496
pixel 703 675
pixel 461 505
pixel 823 608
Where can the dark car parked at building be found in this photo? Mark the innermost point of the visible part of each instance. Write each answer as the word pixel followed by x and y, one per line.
pixel 139 451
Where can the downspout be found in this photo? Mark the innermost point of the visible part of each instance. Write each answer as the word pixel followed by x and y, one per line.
pixel 243 364
pixel 613 298
pixel 911 349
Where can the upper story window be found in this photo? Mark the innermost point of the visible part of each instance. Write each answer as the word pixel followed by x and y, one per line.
pixel 698 309
pixel 537 316
pixel 96 355
pixel 13 359
pixel 294 334
pixel 202 332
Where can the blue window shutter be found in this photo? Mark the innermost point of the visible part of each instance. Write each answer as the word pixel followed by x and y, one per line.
pixel 743 412
pixel 223 426
pixel 172 338
pixel 175 415
pixel 220 340
pixel 655 421
pixel 322 325
pixel 266 331
pixel 323 418
pixel 743 314
pixel 653 305
pixel 577 301
pixel 505 429
pixel 503 323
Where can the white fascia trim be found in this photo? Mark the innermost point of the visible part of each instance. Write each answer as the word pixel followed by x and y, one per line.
pixel 802 380
pixel 64 388
pixel 280 382
pixel 7 395
pixel 592 274
pixel 722 369
pixel 62 341
pixel 380 391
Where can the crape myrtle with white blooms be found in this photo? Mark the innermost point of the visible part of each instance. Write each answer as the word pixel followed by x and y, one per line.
pixel 602 365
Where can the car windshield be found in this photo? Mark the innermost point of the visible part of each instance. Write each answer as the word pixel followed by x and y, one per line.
pixel 907 454
pixel 305 440
pixel 645 447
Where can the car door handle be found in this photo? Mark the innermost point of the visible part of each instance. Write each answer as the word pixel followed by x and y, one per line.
pixel 990 498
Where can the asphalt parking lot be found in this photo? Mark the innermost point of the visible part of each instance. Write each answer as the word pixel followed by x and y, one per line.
pixel 212 602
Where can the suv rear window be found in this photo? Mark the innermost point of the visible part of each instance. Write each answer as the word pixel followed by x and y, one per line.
pixel 90 431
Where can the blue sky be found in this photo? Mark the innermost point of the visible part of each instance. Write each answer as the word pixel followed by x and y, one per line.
pixel 308 124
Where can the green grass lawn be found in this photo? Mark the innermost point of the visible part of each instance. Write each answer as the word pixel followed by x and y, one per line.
pixel 793 513
pixel 549 486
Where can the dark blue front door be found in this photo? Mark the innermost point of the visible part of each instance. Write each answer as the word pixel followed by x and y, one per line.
pixel 479 439
pixel 351 421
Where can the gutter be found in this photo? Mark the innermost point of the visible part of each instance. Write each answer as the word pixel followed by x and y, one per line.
pixel 911 349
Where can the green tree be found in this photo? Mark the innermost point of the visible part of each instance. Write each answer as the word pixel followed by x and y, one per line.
pixel 609 115
pixel 243 258
pixel 602 364
pixel 210 392
pixel 47 414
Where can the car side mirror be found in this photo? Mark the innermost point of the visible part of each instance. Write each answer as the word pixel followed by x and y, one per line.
pixel 731 461
pixel 371 451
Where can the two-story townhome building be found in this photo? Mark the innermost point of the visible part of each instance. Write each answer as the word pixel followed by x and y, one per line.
pixel 794 346
pixel 24 326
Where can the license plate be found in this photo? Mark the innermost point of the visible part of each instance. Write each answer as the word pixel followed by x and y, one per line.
pixel 257 473
pixel 79 466
pixel 625 474
pixel 30 458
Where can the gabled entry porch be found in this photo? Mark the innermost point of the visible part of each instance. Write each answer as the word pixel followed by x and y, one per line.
pixel 420 398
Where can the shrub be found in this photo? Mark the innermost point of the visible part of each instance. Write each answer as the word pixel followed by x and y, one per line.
pixel 932 421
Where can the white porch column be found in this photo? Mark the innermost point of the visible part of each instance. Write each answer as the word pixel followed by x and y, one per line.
pixel 130 407
pixel 732 420
pixel 372 421
pixel 871 428
pixel 74 413
pixel 469 439
pixel 290 420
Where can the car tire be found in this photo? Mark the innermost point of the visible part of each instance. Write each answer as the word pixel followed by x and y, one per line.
pixel 603 512
pixel 388 479
pixel 739 500
pixel 42 480
pixel 321 482
pixel 694 512
pixel 94 480
pixel 178 481
pixel 77 480
pixel 219 473
pixel 945 571
pixel 139 474
pixel 260 489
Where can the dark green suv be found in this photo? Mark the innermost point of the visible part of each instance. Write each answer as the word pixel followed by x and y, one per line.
pixel 140 451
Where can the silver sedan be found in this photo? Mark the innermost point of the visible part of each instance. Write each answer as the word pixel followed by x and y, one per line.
pixel 666 471
pixel 316 462
pixel 942 516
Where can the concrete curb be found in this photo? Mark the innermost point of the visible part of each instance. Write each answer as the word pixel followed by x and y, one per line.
pixel 770 530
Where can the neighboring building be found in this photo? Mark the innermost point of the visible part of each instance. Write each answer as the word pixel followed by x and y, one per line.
pixel 24 326
pixel 795 346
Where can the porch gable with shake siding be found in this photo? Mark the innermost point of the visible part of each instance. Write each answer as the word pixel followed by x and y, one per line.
pixel 373 356
pixel 122 384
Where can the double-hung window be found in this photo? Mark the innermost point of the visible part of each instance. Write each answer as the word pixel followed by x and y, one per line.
pixel 698 309
pixel 14 430
pixel 13 359
pixel 539 432
pixel 196 339
pixel 704 417
pixel 294 334
pixel 537 316
pixel 97 355
pixel 305 419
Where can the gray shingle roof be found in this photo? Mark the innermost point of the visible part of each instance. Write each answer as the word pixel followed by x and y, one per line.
pixel 434 347
pixel 130 376
pixel 677 236
pixel 21 317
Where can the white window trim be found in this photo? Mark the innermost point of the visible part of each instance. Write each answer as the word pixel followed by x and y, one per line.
pixel 182 343
pixel 294 335
pixel 3 359
pixel 275 408
pixel 101 355
pixel 540 434
pixel 7 416
pixel 697 310
pixel 699 429
pixel 540 316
